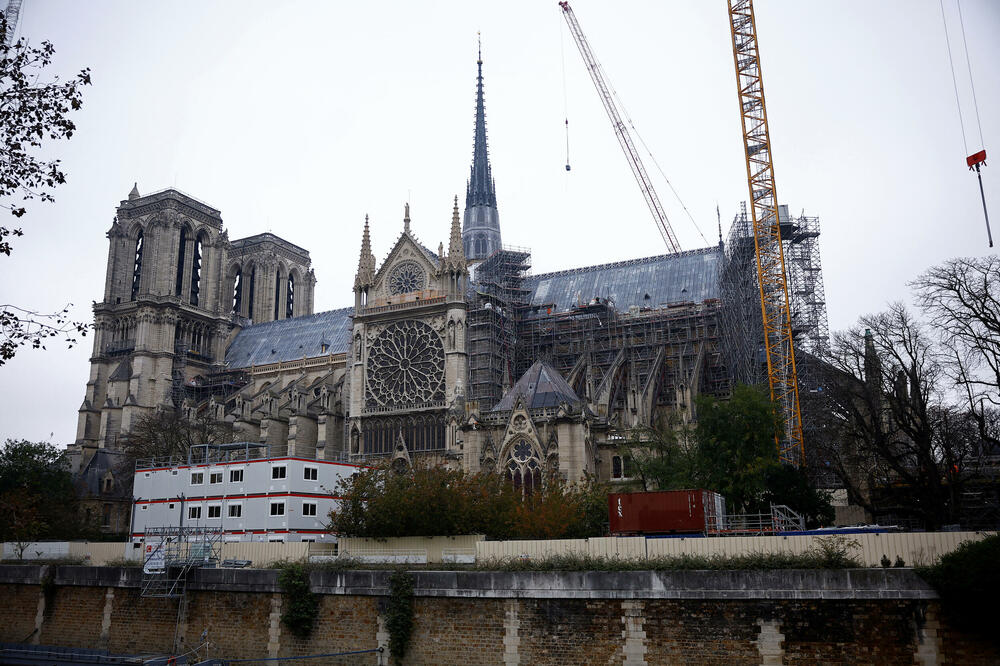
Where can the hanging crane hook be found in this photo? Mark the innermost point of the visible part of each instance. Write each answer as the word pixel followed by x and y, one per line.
pixel 974 161
pixel 567 144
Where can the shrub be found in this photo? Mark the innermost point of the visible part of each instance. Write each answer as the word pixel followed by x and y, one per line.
pixel 968 582
pixel 301 606
pixel 436 501
pixel 399 614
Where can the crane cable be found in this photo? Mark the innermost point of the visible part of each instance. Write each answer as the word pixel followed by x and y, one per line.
pixel 973 161
pixel 972 81
pixel 628 119
pixel 562 57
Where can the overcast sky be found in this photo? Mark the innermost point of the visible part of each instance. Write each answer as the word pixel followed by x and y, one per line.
pixel 301 117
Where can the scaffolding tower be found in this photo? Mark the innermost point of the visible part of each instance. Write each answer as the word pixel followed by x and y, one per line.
pixel 742 329
pixel 172 552
pixel 499 299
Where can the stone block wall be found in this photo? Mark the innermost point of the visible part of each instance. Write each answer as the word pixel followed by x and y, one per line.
pixel 472 618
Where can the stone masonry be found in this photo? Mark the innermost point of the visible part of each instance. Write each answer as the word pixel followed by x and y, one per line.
pixel 468 618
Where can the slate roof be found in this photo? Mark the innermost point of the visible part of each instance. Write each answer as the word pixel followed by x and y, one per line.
pixel 90 479
pixel 541 386
pixel 291 339
pixel 648 282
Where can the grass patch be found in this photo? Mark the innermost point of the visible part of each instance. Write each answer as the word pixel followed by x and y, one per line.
pixel 749 562
pixel 54 561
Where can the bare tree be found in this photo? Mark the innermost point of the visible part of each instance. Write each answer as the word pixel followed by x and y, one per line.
pixel 886 399
pixel 962 299
pixel 166 433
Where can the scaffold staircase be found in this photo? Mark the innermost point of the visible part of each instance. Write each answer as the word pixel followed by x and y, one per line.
pixel 172 552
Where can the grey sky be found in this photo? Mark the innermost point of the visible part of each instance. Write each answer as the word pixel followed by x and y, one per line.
pixel 301 117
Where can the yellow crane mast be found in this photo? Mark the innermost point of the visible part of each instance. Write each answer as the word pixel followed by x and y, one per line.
pixel 771 274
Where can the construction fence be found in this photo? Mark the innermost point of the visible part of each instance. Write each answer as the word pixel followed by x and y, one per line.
pixel 913 548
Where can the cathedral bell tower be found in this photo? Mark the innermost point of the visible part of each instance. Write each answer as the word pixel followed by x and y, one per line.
pixel 165 314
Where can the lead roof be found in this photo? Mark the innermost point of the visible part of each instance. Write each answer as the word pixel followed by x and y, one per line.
pixel 649 282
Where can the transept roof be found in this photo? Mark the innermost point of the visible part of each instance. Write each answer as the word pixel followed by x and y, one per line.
pixel 540 386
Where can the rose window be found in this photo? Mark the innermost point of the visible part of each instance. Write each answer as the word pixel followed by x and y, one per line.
pixel 405 366
pixel 521 451
pixel 405 277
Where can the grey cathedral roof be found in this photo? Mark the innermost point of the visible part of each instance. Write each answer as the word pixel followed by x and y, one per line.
pixel 289 339
pixel 648 282
pixel 540 386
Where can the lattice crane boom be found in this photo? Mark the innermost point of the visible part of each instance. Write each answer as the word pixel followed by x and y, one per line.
pixel 621 131
pixel 779 348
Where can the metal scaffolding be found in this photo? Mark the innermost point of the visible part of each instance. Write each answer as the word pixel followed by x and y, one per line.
pixel 499 299
pixel 742 331
pixel 671 352
pixel 172 553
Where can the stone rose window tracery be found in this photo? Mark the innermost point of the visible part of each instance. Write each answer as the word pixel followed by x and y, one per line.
pixel 405 277
pixel 405 366
pixel 523 469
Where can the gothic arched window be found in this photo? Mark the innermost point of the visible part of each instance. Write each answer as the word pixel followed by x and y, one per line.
pixel 137 266
pixel 238 291
pixel 523 469
pixel 290 297
pixel 277 292
pixel 196 269
pixel 250 292
pixel 181 247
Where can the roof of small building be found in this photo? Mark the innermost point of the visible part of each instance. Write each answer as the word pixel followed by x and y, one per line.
pixel 540 386
pixel 90 479
pixel 647 282
pixel 291 339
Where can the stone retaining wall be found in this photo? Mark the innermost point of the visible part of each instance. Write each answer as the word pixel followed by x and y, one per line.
pixel 698 617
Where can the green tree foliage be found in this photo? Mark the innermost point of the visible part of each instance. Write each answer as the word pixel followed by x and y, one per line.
pixel 37 498
pixel 32 110
pixel 399 614
pixel 436 501
pixel 301 606
pixel 736 445
pixel 731 451
pixel 663 457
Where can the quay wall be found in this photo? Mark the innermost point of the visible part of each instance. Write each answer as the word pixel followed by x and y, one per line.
pixel 885 616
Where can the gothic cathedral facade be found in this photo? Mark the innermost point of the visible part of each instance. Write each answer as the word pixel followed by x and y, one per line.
pixel 454 357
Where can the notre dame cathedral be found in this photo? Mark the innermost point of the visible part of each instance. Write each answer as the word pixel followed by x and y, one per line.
pixel 456 356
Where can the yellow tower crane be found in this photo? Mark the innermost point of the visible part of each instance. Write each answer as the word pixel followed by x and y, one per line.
pixel 771 274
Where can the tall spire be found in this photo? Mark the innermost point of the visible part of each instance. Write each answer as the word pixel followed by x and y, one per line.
pixel 480 187
pixel 366 262
pixel 481 230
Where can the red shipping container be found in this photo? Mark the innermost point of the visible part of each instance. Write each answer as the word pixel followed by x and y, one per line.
pixel 664 512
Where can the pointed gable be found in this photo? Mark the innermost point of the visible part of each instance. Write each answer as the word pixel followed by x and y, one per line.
pixel 541 386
